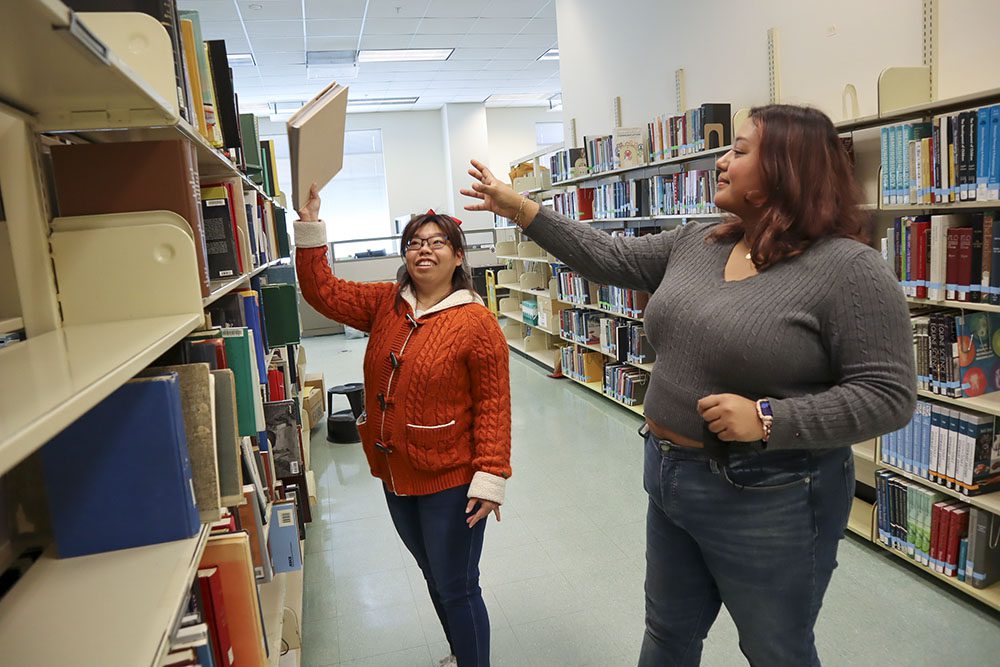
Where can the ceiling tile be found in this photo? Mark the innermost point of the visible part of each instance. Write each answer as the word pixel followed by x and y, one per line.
pixel 279 44
pixel 270 9
pixel 450 26
pixel 542 68
pixel 486 41
pixel 335 9
pixel 274 28
pixel 332 43
pixel 540 42
pixel 449 8
pixel 455 76
pixel 475 54
pixel 391 26
pixel 542 26
pixel 385 41
pixel 282 70
pixel 435 41
pixel 514 8
pixel 506 65
pixel 281 58
pixel 327 28
pixel 499 26
pixel 520 54
pixel 548 11
pixel 463 65
pixel 221 29
pixel 388 8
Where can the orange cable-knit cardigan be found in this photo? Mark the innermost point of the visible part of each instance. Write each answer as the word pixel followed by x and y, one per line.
pixel 437 387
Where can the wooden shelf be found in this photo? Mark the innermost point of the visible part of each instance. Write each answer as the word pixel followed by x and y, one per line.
pixel 64 373
pixel 220 288
pixel 988 596
pixel 115 608
pixel 956 206
pixel 597 388
pixel 540 260
pixel 624 170
pixel 988 501
pixel 677 216
pixel 934 108
pixel 56 71
pixel 272 606
pixel 546 358
pixel 518 317
pixel 11 324
pixel 860 520
pixel 960 305
pixel 988 403
pixel 865 450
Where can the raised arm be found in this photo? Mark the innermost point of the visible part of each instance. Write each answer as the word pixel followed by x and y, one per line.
pixel 635 262
pixel 350 303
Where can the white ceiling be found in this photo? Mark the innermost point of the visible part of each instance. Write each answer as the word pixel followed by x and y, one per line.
pixel 497 44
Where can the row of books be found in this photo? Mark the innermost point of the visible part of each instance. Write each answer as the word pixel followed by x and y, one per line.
pixel 958 449
pixel 956 157
pixel 622 300
pixel 955 257
pixel 684 193
pixel 574 288
pixel 568 163
pixel 621 199
pixel 576 205
pixel 625 341
pixel 702 128
pixel 957 355
pixel 940 533
pixel 626 384
pixel 582 364
pixel 580 325
pixel 205 93
pixel 234 230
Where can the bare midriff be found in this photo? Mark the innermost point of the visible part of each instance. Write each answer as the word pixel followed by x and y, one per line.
pixel 664 433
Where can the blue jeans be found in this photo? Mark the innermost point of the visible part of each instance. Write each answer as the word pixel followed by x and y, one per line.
pixel 447 551
pixel 759 534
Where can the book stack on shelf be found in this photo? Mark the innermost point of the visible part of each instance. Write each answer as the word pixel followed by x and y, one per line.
pixel 155 311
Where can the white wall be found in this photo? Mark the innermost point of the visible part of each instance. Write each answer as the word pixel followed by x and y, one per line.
pixel 512 134
pixel 413 146
pixel 722 46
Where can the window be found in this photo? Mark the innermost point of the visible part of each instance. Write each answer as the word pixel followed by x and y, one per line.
pixel 548 133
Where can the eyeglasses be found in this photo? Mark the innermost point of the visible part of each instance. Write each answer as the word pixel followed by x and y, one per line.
pixel 434 242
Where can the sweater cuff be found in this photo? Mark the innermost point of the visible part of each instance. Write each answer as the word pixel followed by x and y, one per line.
pixel 310 234
pixel 487 487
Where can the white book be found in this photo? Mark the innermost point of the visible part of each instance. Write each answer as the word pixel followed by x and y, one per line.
pixel 936 287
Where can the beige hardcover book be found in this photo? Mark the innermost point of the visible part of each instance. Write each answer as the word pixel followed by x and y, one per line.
pixel 316 141
pixel 227 438
pixel 197 401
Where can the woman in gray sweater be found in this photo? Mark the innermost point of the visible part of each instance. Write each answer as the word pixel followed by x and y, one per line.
pixel 781 339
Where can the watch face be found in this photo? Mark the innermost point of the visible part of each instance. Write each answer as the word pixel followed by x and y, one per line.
pixel 765 409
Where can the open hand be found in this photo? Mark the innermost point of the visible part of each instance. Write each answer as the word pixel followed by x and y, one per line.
pixel 496 196
pixel 485 507
pixel 310 210
pixel 731 417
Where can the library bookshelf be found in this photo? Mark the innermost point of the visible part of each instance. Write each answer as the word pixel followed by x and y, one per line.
pixel 98 298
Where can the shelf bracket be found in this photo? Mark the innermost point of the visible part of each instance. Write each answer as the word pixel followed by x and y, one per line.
pixel 774 65
pixel 931 23
pixel 680 94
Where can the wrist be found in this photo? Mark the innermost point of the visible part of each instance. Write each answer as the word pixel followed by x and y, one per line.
pixel 766 417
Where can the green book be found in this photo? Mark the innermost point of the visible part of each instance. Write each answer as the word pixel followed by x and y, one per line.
pixel 281 315
pixel 281 232
pixel 251 145
pixel 267 176
pixel 241 361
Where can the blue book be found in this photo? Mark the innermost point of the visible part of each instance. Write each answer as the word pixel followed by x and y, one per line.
pixel 994 153
pixel 251 315
pixel 119 476
pixel 963 554
pixel 982 152
pixel 204 653
pixel 283 539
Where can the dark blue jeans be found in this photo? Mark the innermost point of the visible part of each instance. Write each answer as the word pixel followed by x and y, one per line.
pixel 447 551
pixel 759 535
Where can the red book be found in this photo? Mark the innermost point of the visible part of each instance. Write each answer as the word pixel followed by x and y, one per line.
pixel 219 347
pixel 958 528
pixel 585 203
pixel 276 384
pixel 939 527
pixel 918 232
pixel 215 616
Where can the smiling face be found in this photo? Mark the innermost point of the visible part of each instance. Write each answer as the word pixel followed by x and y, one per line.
pixel 431 267
pixel 740 181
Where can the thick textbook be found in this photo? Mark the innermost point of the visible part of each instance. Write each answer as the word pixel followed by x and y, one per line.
pixel 283 539
pixel 119 476
pixel 283 427
pixel 227 438
pixel 316 141
pixel 230 553
pixel 281 315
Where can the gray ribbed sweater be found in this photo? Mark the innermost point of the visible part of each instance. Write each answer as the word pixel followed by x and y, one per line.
pixel 825 335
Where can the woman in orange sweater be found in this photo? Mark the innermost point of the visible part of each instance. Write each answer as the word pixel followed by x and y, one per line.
pixel 436 428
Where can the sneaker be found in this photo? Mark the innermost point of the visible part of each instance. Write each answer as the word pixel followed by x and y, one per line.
pixel 450 661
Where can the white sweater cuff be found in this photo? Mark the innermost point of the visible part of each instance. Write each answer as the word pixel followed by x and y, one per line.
pixel 310 234
pixel 487 487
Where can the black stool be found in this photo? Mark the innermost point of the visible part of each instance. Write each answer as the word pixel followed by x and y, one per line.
pixel 340 425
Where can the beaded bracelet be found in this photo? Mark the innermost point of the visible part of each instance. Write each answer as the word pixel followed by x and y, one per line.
pixel 519 209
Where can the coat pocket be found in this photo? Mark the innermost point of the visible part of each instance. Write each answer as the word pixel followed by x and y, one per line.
pixel 436 446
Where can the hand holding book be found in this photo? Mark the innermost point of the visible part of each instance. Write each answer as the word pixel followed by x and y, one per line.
pixel 310 210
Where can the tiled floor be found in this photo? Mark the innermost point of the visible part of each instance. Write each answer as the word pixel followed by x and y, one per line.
pixel 562 573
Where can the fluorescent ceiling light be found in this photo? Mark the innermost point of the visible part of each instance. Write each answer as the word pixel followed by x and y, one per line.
pixel 341 57
pixel 236 59
pixel 402 55
pixel 514 97
pixel 551 54
pixel 381 101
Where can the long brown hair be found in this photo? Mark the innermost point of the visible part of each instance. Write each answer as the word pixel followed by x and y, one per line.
pixel 810 186
pixel 461 278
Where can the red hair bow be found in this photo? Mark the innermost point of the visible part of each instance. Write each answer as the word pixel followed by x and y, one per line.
pixel 458 222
